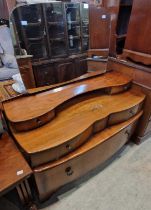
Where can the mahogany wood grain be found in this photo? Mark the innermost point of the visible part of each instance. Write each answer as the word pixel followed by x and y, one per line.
pixel 11 163
pixel 98 52
pixel 139 32
pixel 99 27
pixel 137 56
pixel 94 65
pixel 30 109
pixel 76 122
pixel 142 79
pixel 96 151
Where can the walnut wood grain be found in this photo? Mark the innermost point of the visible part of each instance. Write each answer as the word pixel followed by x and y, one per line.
pixel 138 35
pixel 137 56
pixel 96 151
pixel 76 122
pixel 28 110
pixel 142 79
pixel 11 162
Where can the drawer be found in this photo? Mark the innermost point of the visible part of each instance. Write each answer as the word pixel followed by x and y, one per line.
pixel 49 178
pixel 55 153
pixel 33 123
pixel 124 115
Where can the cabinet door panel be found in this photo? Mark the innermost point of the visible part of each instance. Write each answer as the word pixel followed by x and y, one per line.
pixel 81 67
pixel 44 75
pixel 65 72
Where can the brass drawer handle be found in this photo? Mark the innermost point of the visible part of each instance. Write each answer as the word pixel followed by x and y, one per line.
pixel 39 122
pixel 127 133
pixel 68 147
pixel 69 171
pixel 132 112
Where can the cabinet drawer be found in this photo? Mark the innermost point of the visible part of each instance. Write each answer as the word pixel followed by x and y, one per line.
pixel 33 123
pixel 51 177
pixel 124 115
pixel 69 146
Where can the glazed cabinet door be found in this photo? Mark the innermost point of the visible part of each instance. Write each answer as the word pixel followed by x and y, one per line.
pixel 44 74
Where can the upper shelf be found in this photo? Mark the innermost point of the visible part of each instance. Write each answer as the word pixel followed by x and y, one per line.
pixel 29 112
pixel 75 123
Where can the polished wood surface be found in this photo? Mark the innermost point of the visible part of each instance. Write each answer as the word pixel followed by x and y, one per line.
pixel 139 32
pixel 13 167
pixel 142 79
pixel 29 109
pixel 137 56
pixel 76 122
pixel 75 80
pixel 96 151
pixel 99 27
pixel 96 65
pixel 26 71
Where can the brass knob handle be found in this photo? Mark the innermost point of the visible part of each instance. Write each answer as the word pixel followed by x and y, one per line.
pixel 69 171
pixel 68 147
pixel 127 133
pixel 132 112
pixel 39 122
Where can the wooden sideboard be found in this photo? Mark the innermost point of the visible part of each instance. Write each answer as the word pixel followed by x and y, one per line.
pixel 66 126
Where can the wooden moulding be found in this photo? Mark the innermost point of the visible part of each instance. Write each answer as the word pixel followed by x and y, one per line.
pixel 139 57
pixel 50 177
pixel 30 112
pixel 98 52
pixel 76 123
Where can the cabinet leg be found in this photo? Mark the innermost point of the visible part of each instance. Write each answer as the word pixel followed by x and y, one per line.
pixel 25 195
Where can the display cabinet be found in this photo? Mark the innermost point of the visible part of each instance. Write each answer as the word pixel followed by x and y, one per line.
pixel 53 30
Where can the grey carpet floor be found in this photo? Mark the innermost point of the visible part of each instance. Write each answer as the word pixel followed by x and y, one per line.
pixel 124 185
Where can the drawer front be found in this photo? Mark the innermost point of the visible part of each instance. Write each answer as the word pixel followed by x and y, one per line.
pixel 34 123
pixel 48 181
pixel 64 149
pixel 124 115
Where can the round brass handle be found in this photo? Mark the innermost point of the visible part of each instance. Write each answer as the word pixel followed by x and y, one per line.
pixel 127 132
pixel 69 171
pixel 39 122
pixel 132 112
pixel 68 147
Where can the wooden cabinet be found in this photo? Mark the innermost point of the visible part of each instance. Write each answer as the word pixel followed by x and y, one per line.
pixel 120 11
pixel 54 71
pixel 52 30
pixel 65 72
pixel 96 151
pixel 99 30
pixel 44 75
pixel 26 71
pixel 137 45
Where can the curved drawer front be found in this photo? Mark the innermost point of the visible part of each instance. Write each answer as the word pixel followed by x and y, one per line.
pixel 74 125
pixel 51 177
pixel 24 114
pixel 64 149
pixel 124 115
